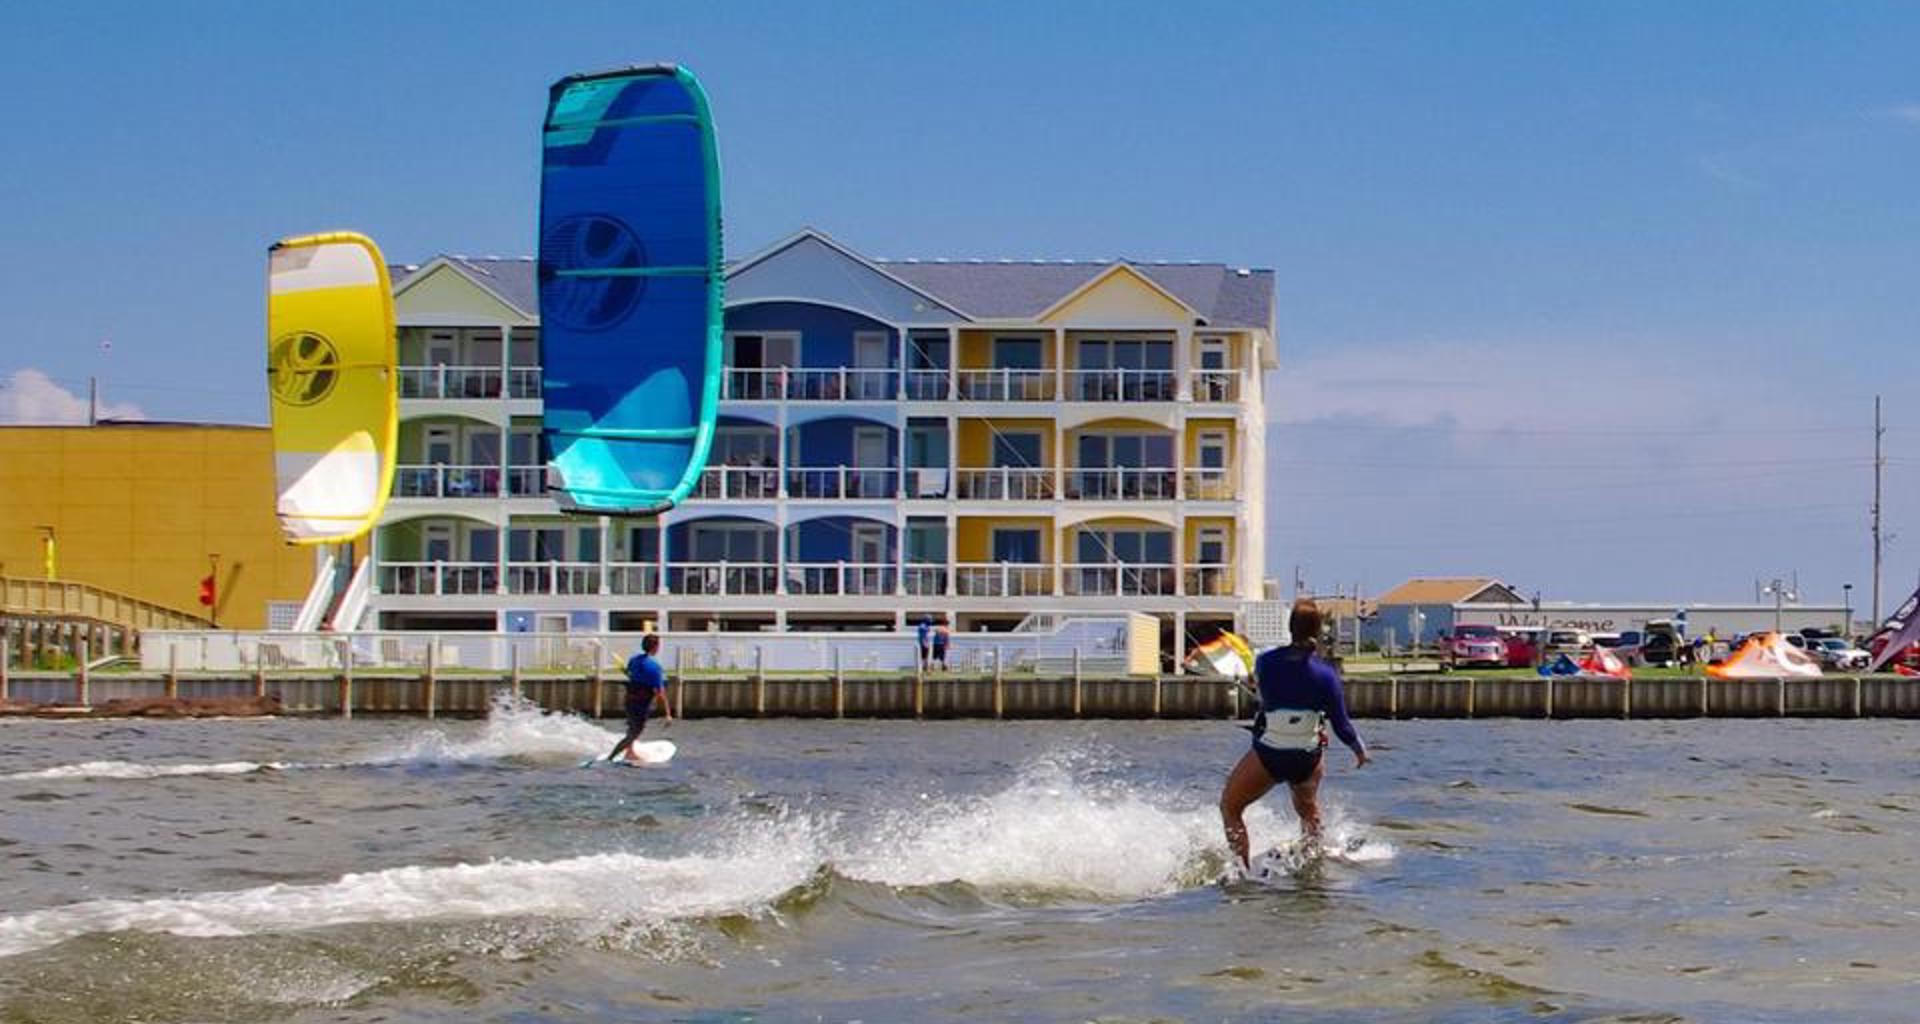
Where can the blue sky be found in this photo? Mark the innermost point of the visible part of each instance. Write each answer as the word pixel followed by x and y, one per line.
pixel 1593 297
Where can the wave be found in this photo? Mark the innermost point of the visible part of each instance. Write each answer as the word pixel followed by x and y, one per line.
pixel 1052 835
pixel 516 729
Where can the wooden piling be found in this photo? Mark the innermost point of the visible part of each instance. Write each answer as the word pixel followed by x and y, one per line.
pixel 6 670
pixel 1549 684
pixel 999 687
pixel 173 671
pixel 259 670
pixel 1780 696
pixel 1470 696
pixel 80 680
pixel 919 688
pixel 593 679
pixel 513 670
pixel 1856 696
pixel 1393 696
pixel 1626 698
pixel 346 681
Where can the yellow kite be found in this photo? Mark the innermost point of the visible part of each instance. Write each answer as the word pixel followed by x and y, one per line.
pixel 331 378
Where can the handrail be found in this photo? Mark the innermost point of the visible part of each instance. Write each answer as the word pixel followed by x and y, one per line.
pixel 21 595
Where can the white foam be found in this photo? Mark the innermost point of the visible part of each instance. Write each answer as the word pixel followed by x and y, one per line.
pixel 515 729
pixel 617 890
pixel 131 770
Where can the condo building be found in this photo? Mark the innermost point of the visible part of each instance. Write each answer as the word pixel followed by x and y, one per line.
pixel 978 441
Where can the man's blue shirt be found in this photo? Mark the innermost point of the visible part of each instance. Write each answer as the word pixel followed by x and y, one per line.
pixel 645 678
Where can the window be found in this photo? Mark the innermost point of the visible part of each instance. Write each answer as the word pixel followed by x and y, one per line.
pixel 1020 545
pixel 1016 354
pixel 1125 546
pixel 763 351
pixel 1018 449
pixel 927 447
pixel 732 542
pixel 588 543
pixel 643 543
pixel 439 546
pixel 483 545
pixel 1213 450
pixel 1212 549
pixel 928 352
pixel 871 449
pixel 537 544
pixel 483 448
pixel 1213 353
pixel 1126 451
pixel 869 544
pixel 439 446
pixel 927 542
pixel 743 446
pixel 524 447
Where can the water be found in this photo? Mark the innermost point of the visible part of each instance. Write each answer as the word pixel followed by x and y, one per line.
pixel 408 871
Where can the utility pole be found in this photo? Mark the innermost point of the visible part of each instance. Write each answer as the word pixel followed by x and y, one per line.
pixel 1879 463
pixel 93 401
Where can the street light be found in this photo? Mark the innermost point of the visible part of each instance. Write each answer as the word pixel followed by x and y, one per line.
pixel 1846 594
pixel 1781 593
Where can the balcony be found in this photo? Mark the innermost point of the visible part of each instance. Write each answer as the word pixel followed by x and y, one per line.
pixel 1121 385
pixel 523 382
pixel 633 578
pixel 746 482
pixel 1209 581
pixel 1005 483
pixel 929 385
pixel 846 578
pixel 924 580
pixel 842 384
pixel 1121 484
pixel 1005 385
pixel 1214 385
pixel 442 481
pixel 569 578
pixel 723 578
pixel 1114 579
pixel 526 481
pixel 1003 579
pixel 1209 485
pixel 439 578
pixel 843 482
pixel 441 381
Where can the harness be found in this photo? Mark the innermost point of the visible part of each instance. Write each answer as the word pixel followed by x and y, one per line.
pixel 1290 729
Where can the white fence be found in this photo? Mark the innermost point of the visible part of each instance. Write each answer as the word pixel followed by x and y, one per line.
pixel 1102 642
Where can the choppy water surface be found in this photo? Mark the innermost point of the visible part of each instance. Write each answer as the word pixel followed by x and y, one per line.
pixel 403 870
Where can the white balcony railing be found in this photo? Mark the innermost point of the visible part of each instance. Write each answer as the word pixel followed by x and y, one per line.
pixel 847 578
pixel 929 385
pixel 843 482
pixel 523 382
pixel 1214 385
pixel 923 580
pixel 1209 485
pixel 442 481
pixel 1121 484
pixel 753 384
pixel 1003 579
pixel 633 578
pixel 842 384
pixel 526 481
pixel 723 578
pixel 1209 581
pixel 1121 385
pixel 1005 483
pixel 442 381
pixel 439 578
pixel 1114 579
pixel 749 482
pixel 570 578
pixel 1005 385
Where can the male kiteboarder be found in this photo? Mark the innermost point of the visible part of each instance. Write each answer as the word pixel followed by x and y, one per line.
pixel 646 681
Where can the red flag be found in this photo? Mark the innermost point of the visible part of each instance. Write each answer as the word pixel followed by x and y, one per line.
pixel 1899 632
pixel 206 590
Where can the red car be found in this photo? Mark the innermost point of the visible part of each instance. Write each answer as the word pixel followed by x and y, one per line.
pixel 1476 645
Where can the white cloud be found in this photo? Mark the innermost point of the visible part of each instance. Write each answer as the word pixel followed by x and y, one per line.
pixel 30 396
pixel 1908 112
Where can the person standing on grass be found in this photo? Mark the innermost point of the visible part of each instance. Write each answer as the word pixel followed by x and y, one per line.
pixel 646 682
pixel 1300 695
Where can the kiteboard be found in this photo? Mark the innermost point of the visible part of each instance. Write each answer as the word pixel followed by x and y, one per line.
pixel 649 752
pixel 630 278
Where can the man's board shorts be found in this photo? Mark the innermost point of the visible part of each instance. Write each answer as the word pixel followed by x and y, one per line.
pixel 637 716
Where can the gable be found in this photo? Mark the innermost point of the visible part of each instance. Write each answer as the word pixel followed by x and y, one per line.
pixel 810 270
pixel 1120 298
pixel 1494 593
pixel 442 295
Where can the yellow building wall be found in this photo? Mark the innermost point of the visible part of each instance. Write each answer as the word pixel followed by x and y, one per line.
pixel 975 447
pixel 1197 427
pixel 1122 297
pixel 1191 544
pixel 976 348
pixel 138 509
pixel 973 536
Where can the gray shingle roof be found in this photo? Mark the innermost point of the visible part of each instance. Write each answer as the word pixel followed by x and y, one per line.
pixel 1225 296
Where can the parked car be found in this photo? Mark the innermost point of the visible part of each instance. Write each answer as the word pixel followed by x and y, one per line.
pixel 1474 645
pixel 1625 644
pixel 1835 653
pixel 1523 648
pixel 1664 647
pixel 1571 642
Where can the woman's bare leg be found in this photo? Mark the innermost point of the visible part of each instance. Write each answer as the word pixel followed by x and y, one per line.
pixel 1306 801
pixel 1247 782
